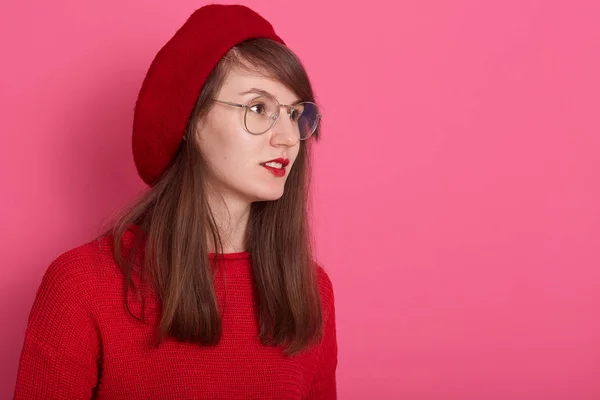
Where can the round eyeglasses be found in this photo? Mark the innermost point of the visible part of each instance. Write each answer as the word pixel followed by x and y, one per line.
pixel 262 112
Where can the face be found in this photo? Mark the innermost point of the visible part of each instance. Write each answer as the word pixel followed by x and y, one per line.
pixel 236 157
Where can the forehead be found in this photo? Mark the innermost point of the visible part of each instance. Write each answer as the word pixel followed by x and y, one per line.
pixel 238 81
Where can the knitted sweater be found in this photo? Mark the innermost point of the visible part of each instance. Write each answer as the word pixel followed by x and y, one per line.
pixel 82 343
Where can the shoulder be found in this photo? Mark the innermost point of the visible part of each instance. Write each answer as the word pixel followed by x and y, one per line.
pixel 79 272
pixel 64 322
pixel 325 283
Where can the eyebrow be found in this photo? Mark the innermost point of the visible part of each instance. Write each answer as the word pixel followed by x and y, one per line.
pixel 264 93
pixel 259 91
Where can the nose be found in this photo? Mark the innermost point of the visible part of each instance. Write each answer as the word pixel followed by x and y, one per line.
pixel 284 131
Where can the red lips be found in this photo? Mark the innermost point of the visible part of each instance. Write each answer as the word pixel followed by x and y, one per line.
pixel 283 161
pixel 279 172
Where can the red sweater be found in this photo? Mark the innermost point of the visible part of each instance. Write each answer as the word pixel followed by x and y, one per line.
pixel 81 342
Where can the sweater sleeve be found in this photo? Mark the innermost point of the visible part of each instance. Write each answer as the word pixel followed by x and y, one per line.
pixel 324 386
pixel 59 358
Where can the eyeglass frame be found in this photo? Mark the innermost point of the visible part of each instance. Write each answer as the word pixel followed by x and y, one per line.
pixel 288 107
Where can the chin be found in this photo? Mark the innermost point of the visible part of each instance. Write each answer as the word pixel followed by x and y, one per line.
pixel 268 195
pixel 271 197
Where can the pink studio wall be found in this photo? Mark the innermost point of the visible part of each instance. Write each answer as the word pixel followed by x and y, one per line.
pixel 457 183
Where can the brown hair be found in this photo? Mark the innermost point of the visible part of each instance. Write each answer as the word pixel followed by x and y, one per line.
pixel 175 221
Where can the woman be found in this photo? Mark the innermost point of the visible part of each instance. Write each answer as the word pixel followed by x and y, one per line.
pixel 206 288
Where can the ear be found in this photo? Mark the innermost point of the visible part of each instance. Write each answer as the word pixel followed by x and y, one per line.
pixel 195 131
pixel 199 130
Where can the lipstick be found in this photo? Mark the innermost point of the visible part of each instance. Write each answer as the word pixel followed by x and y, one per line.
pixel 276 166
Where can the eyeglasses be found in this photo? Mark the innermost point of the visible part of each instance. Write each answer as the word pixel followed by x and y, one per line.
pixel 262 112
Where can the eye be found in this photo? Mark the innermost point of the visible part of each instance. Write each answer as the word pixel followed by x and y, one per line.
pixel 295 114
pixel 258 108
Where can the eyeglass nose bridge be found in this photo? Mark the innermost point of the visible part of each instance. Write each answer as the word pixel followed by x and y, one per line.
pixel 289 110
pixel 275 117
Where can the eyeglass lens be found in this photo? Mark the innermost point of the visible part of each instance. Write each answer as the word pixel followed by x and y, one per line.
pixel 262 112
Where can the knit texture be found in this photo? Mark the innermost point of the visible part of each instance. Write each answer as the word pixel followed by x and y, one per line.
pixel 81 342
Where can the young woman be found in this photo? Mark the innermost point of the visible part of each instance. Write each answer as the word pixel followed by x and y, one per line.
pixel 206 288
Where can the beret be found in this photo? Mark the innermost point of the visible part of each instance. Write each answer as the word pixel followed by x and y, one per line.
pixel 176 76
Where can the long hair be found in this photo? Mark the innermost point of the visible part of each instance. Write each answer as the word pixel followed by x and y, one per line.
pixel 175 220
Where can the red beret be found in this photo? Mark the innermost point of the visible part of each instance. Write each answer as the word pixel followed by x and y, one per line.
pixel 177 75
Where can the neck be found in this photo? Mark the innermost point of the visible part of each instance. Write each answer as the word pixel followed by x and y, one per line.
pixel 231 216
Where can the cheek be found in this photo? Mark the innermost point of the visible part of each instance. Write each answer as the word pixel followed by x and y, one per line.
pixel 221 145
pixel 241 156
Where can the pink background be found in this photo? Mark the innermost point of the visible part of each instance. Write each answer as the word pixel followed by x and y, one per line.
pixel 457 183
